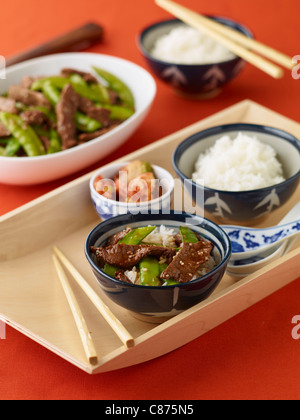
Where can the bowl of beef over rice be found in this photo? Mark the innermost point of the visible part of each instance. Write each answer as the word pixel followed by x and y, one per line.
pixel 157 265
pixel 53 121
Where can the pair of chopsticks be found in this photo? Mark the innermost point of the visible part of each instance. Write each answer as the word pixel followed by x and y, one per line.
pixel 87 341
pixel 235 41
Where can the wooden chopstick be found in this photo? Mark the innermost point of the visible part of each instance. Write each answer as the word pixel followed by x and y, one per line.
pixel 84 333
pixel 257 46
pixel 231 39
pixel 76 40
pixel 111 319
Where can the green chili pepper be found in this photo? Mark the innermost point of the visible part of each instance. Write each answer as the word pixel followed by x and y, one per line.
pixel 110 270
pixel 187 235
pixel 114 83
pixel 21 107
pixel 162 267
pixel 85 123
pixel 95 91
pixel 149 272
pixel 57 81
pixel 92 92
pixel 95 94
pixel 25 134
pixel 135 236
pixel 100 92
pixel 40 131
pixel 81 87
pixel 2 151
pixel 118 112
pixel 54 142
pixel 168 282
pixel 12 147
pixel 51 92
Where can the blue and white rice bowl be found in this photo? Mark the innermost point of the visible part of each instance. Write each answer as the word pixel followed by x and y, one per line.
pixel 107 208
pixel 240 205
pixel 160 302
pixel 191 80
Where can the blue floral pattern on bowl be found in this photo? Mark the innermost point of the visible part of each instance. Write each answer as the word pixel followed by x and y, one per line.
pixel 192 79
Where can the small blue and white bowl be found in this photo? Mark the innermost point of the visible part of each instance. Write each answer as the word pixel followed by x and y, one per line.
pixel 107 208
pixel 243 205
pixel 156 303
pixel 190 80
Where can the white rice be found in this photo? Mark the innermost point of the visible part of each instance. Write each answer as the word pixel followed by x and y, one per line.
pixel 162 236
pixel 133 275
pixel 186 45
pixel 205 267
pixel 239 164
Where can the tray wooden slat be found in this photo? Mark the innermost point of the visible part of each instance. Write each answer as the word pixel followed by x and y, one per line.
pixel 31 298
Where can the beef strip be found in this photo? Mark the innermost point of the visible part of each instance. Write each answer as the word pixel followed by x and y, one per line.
pixel 3 131
pixel 65 111
pixel 100 114
pixel 28 97
pixel 178 239
pixel 113 97
pixel 89 78
pixel 120 275
pixel 84 137
pixel 126 256
pixel 8 105
pixel 27 81
pixel 46 142
pixel 187 261
pixel 37 118
pixel 113 240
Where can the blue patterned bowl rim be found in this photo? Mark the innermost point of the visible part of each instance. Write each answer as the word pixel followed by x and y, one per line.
pixel 121 220
pixel 221 129
pixel 246 31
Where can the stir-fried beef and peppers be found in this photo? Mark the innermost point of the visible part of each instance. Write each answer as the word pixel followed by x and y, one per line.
pixel 44 115
pixel 133 256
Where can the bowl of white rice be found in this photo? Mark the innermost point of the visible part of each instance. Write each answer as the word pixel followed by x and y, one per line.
pixel 239 172
pixel 191 62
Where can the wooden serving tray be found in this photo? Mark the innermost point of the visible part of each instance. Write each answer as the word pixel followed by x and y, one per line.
pixel 33 302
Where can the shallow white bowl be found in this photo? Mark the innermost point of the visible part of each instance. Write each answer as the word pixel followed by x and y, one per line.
pixel 107 208
pixel 40 169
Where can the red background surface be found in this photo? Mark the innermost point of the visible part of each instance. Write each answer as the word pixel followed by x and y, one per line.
pixel 253 355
